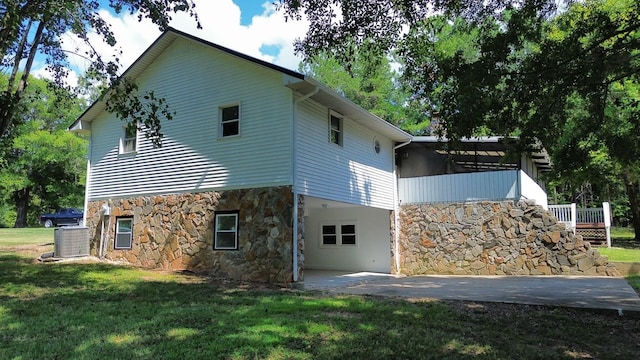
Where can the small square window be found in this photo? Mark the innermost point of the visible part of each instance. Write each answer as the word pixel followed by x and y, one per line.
pixel 226 231
pixel 335 128
pixel 338 234
pixel 128 142
pixel 124 233
pixel 230 120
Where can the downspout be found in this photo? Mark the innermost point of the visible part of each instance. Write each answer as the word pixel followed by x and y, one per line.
pixel 87 186
pixel 519 195
pixel 294 180
pixel 396 209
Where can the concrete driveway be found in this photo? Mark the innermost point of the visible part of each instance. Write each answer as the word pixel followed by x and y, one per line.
pixel 572 291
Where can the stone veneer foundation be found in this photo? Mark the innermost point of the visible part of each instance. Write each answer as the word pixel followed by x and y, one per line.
pixel 175 232
pixel 493 238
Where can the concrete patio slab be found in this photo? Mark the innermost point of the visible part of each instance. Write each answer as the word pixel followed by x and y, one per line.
pixel 329 279
pixel 571 291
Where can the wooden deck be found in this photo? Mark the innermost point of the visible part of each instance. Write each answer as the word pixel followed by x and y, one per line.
pixel 594 233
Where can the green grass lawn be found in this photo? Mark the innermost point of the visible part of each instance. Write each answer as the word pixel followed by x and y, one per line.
pixel 96 311
pixel 634 280
pixel 28 236
pixel 622 233
pixel 623 246
pixel 620 254
pixel 88 311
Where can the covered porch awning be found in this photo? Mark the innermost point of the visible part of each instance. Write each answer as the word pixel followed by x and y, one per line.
pixel 476 154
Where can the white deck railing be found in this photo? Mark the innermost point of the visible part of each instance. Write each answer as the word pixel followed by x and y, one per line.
pixel 565 214
pixel 569 215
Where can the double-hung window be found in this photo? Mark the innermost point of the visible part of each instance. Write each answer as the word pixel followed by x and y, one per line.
pixel 124 233
pixel 230 120
pixel 226 230
pixel 335 128
pixel 128 142
pixel 337 234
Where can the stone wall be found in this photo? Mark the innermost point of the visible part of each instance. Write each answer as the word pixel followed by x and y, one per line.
pixel 493 238
pixel 301 237
pixel 175 232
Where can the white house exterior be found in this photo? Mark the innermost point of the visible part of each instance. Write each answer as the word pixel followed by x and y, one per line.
pixel 263 172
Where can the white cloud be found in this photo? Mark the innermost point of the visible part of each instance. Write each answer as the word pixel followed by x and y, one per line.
pixel 220 22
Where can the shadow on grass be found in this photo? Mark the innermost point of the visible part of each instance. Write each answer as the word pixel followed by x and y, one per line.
pixel 101 311
pixel 625 243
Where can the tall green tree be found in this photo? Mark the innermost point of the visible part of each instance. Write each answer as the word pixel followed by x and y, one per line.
pixel 30 28
pixel 604 152
pixel 371 83
pixel 42 166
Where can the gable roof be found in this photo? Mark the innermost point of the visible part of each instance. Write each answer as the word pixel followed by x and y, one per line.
pixel 294 80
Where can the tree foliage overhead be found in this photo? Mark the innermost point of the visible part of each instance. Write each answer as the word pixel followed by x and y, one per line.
pixel 338 25
pixel 521 61
pixel 369 82
pixel 562 72
pixel 30 28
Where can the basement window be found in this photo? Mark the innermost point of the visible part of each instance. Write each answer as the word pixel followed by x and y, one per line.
pixel 124 233
pixel 226 230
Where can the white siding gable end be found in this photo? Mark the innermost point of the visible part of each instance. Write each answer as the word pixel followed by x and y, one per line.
pixel 197 82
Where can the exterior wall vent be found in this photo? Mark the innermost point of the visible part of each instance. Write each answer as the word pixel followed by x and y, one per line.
pixel 71 241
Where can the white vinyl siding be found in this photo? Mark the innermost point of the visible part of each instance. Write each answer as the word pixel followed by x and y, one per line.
pixel 197 81
pixel 490 185
pixel 352 173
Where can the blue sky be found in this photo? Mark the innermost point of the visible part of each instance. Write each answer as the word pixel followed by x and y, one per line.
pixel 249 9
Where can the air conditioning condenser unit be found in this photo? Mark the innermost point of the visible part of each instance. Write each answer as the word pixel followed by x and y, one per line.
pixel 71 241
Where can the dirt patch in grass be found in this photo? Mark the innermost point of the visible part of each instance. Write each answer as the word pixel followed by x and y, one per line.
pixel 32 251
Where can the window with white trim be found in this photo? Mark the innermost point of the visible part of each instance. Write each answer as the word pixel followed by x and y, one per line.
pixel 338 234
pixel 128 141
pixel 335 128
pixel 124 233
pixel 226 230
pixel 230 120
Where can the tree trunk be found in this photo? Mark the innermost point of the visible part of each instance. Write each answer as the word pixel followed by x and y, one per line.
pixel 632 193
pixel 21 200
pixel 13 94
